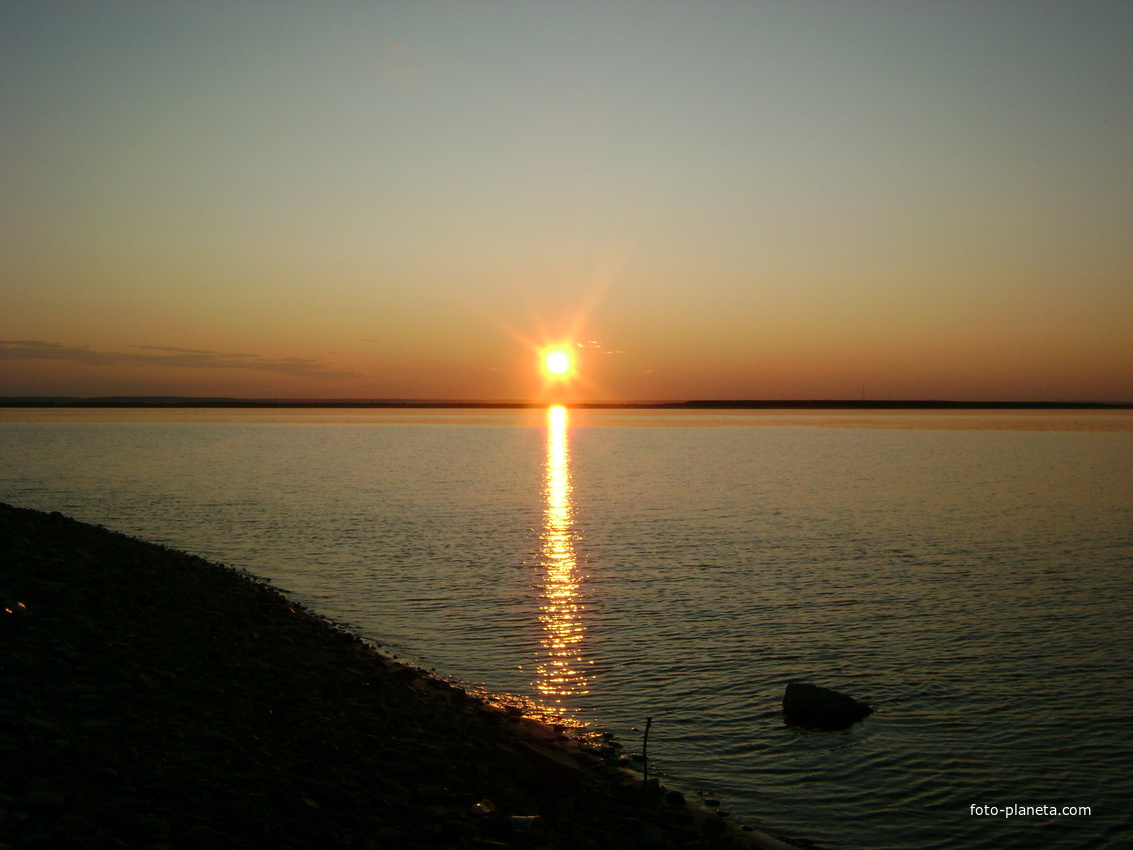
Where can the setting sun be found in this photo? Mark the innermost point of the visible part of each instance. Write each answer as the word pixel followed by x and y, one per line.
pixel 557 363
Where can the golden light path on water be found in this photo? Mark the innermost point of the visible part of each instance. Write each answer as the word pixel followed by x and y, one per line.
pixel 561 668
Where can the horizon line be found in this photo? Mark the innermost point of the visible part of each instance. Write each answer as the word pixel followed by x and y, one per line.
pixel 686 404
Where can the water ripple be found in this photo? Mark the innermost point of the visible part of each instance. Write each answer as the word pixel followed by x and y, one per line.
pixel 974 586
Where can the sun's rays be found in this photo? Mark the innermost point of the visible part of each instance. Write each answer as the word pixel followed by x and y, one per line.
pixel 577 375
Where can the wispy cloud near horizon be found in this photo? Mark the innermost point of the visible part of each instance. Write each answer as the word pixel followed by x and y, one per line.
pixel 169 357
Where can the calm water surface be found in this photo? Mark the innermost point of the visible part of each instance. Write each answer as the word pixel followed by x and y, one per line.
pixel 968 574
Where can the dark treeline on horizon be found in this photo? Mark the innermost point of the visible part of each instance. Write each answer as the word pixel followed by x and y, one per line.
pixel 697 404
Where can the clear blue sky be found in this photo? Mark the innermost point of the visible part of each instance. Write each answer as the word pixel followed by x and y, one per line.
pixel 726 200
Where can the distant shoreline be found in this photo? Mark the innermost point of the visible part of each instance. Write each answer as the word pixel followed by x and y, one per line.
pixel 404 404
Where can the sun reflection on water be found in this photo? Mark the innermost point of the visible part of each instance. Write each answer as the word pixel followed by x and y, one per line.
pixel 561 672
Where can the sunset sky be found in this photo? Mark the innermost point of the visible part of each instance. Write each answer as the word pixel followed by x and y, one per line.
pixel 766 200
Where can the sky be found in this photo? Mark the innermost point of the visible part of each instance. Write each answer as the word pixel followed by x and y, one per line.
pixel 709 200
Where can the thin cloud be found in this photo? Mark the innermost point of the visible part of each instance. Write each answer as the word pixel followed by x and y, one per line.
pixel 182 350
pixel 166 357
pixel 593 343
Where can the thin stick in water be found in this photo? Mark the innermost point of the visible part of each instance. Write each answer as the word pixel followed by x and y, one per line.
pixel 645 751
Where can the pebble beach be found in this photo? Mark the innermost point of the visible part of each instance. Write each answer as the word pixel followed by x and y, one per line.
pixel 152 699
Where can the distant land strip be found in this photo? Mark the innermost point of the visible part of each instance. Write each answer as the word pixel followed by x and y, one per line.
pixel 699 404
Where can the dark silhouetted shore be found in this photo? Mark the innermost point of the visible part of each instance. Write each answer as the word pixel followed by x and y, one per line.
pixel 149 698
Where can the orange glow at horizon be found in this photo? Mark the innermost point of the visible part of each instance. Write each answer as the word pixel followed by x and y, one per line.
pixel 768 247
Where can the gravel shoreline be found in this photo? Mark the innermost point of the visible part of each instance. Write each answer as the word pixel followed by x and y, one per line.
pixel 151 699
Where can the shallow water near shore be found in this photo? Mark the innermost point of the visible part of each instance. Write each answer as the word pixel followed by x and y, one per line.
pixel 968 576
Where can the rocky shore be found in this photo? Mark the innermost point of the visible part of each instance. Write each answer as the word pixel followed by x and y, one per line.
pixel 151 699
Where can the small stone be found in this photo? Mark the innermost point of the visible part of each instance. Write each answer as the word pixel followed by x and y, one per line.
pixel 680 816
pixel 714 826
pixel 813 706
pixel 484 807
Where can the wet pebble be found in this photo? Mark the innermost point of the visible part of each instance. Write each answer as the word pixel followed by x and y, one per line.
pixel 714 826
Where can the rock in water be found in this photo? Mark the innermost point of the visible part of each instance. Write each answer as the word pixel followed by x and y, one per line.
pixel 816 707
